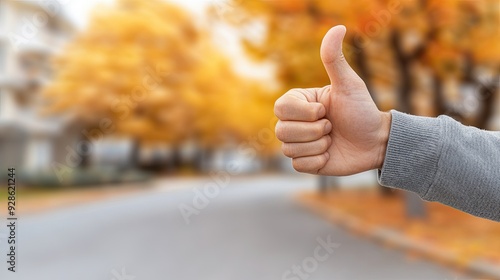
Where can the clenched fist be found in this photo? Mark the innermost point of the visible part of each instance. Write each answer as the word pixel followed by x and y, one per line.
pixel 335 130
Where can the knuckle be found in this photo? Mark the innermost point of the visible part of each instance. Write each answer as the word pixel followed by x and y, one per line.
pixel 314 165
pixel 279 107
pixel 317 110
pixel 281 131
pixel 298 165
pixel 318 129
pixel 294 91
pixel 287 150
pixel 313 112
pixel 321 161
pixel 324 144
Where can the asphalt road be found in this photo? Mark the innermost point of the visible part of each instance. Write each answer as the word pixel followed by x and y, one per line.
pixel 251 229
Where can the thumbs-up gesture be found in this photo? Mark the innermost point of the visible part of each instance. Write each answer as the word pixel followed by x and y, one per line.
pixel 335 130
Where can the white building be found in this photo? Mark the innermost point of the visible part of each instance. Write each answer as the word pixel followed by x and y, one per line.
pixel 31 32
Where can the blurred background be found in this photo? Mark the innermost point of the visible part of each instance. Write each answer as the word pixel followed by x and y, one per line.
pixel 142 133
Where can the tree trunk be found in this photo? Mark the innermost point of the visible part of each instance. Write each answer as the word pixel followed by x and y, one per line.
pixel 176 159
pixel 487 94
pixel 415 207
pixel 403 64
pixel 360 61
pixel 325 184
pixel 135 154
pixel 439 99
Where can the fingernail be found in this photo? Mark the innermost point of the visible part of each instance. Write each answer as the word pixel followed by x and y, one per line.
pixel 328 127
pixel 321 111
pixel 329 140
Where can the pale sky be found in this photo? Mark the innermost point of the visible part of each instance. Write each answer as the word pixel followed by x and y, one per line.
pixel 79 11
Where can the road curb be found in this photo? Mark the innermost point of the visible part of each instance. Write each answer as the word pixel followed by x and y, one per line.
pixel 393 237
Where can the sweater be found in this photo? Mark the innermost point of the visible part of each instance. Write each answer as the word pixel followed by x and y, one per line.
pixel 442 160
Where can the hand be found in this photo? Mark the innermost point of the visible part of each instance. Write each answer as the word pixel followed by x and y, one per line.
pixel 335 130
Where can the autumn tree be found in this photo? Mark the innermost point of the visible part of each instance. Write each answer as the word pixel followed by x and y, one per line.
pixel 147 67
pixel 426 57
pixel 396 46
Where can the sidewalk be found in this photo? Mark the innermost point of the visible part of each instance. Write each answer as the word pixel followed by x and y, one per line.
pixel 37 200
pixel 447 236
pixel 32 201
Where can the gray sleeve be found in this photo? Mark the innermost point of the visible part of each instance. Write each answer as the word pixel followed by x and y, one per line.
pixel 445 161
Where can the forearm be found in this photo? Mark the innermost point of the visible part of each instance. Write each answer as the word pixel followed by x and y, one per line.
pixel 444 161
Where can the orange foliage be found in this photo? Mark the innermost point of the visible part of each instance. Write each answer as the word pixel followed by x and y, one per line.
pixel 158 76
pixel 386 41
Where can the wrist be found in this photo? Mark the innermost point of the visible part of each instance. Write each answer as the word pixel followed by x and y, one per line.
pixel 383 138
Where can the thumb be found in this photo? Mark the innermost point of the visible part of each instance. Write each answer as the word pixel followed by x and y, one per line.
pixel 333 59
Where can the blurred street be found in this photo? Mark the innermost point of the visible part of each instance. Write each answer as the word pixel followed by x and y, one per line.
pixel 114 113
pixel 252 230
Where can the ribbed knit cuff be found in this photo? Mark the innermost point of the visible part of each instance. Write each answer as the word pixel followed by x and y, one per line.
pixel 412 156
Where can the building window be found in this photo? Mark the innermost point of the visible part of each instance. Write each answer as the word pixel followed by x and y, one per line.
pixel 2 16
pixel 39 154
pixel 3 58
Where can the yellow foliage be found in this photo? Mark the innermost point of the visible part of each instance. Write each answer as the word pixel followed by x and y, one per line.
pixel 446 31
pixel 149 68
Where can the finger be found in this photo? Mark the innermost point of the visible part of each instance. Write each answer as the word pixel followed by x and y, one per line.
pixel 291 108
pixel 333 58
pixel 318 147
pixel 290 131
pixel 310 164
